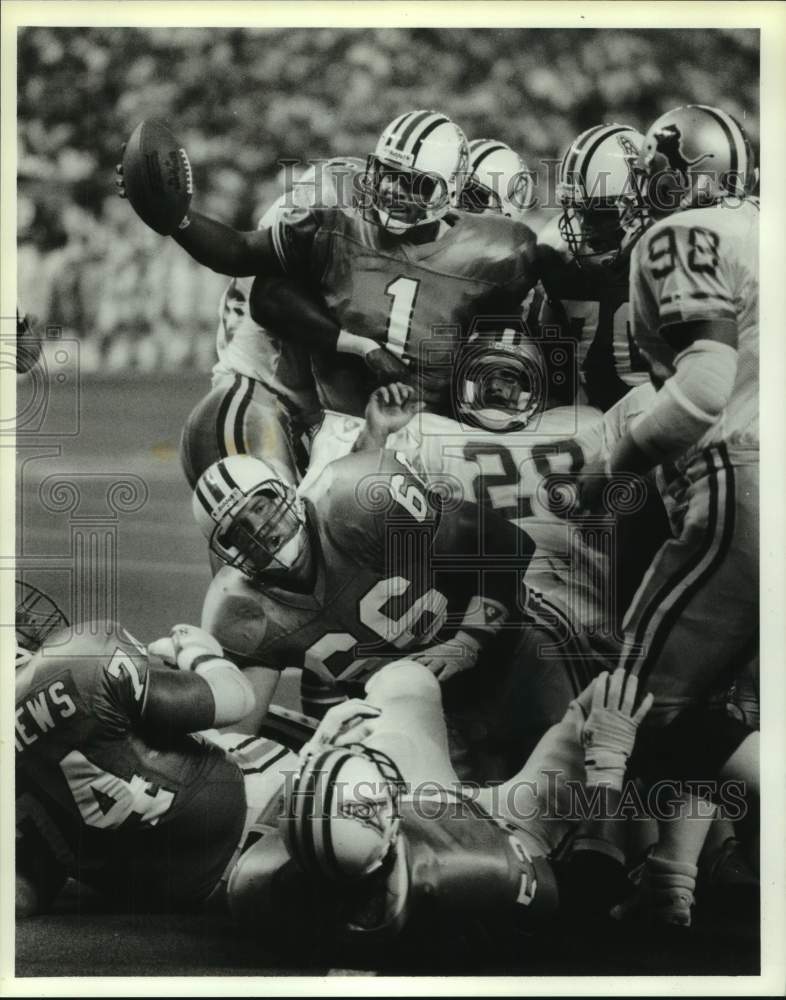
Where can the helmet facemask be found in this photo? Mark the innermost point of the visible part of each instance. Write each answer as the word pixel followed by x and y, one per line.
pixel 37 617
pixel 601 190
pixel 501 388
pixel 403 199
pixel 415 173
pixel 264 533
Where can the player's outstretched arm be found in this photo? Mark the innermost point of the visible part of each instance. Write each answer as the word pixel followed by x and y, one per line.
pixel 226 250
pixel 165 209
pixel 207 690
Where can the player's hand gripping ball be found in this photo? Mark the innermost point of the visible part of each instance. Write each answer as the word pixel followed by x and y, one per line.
pixel 155 177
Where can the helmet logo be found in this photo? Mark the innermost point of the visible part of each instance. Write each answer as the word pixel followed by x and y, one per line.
pixel 368 813
pixel 668 141
pixel 628 148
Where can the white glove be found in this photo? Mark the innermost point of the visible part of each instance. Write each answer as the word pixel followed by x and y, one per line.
pixel 349 722
pixel 609 733
pixel 449 658
pixel 185 645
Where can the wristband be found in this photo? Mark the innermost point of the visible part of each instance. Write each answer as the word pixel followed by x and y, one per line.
pixel 349 343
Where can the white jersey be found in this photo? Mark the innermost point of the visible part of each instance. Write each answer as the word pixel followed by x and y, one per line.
pixel 519 475
pixel 703 264
pixel 246 348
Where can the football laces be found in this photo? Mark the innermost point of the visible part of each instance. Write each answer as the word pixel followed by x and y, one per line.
pixel 187 168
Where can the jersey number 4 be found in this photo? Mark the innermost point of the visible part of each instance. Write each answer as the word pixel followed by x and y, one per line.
pixel 106 801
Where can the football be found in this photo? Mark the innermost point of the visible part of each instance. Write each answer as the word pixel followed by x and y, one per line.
pixel 157 176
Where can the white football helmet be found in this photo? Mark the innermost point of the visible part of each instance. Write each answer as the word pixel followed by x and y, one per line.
pixel 501 381
pixel 36 618
pixel 416 171
pixel 341 818
pixel 499 181
pixel 253 520
pixel 601 187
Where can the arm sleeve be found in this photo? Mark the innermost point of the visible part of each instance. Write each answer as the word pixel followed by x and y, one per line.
pixel 288 310
pixel 178 702
pixel 227 250
pixel 292 236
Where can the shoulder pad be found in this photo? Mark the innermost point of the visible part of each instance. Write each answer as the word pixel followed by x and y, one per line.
pixel 233 612
pixel 549 236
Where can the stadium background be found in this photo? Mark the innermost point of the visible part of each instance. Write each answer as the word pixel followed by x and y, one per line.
pixel 129 323
pixel 243 100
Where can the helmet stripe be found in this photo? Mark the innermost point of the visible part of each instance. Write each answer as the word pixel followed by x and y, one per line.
pixel 575 149
pixel 240 416
pixel 475 163
pixel 211 487
pixel 597 140
pixel 397 124
pixel 725 123
pixel 200 494
pixel 222 468
pixel 327 817
pixel 426 132
pixel 411 126
pixel 222 423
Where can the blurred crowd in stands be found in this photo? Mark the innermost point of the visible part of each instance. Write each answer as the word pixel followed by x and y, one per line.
pixel 243 100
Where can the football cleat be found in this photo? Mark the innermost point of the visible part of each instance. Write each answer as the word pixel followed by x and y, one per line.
pixel 600 188
pixel 416 172
pixel 341 818
pixel 693 156
pixel 499 181
pixel 252 519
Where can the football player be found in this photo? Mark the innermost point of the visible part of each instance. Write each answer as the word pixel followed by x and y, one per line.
pixel 263 397
pixel 499 181
pixel 383 833
pixel 584 259
pixel 376 567
pixel 508 454
pixel 110 788
pixel 396 264
pixel 694 296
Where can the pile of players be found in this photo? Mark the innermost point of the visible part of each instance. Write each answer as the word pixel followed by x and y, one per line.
pixel 495 496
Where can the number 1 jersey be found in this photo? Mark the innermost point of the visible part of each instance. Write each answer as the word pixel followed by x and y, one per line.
pixel 419 300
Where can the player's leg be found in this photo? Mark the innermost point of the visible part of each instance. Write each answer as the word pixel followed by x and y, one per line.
pixel 673 642
pixel 331 439
pixel 411 728
pixel 709 573
pixel 541 799
pixel 240 416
